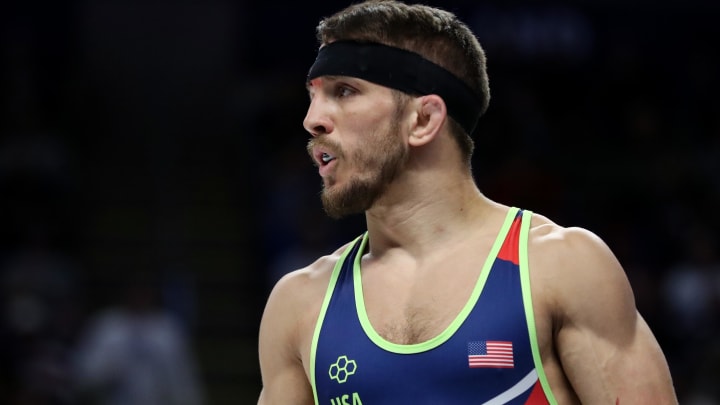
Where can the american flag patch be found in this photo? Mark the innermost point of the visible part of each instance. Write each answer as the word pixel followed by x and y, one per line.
pixel 490 354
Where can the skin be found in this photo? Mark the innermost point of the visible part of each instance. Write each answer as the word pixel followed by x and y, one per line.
pixel 595 347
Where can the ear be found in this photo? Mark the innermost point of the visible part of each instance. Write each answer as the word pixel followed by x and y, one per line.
pixel 431 115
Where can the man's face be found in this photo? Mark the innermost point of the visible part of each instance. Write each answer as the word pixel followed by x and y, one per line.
pixel 357 141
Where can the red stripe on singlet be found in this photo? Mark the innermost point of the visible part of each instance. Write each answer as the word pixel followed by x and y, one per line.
pixel 537 396
pixel 510 248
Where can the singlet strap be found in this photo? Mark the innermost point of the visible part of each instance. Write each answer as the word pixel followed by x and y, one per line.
pixel 523 242
pixel 352 247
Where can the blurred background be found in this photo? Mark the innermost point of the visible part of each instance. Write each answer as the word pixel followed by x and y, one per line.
pixel 154 182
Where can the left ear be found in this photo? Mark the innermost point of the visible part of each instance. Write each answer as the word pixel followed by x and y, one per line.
pixel 431 114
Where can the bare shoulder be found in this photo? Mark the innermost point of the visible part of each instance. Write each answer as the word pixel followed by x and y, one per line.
pixel 575 267
pixel 302 289
pixel 587 315
pixel 286 331
pixel 546 234
pixel 570 250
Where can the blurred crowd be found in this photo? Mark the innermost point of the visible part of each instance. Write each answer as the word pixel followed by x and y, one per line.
pixel 604 116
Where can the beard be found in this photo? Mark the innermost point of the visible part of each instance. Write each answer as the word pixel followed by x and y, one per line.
pixel 378 164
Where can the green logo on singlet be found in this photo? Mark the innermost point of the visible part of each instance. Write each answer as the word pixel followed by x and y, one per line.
pixel 342 369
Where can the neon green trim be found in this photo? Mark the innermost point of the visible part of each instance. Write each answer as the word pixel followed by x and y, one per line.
pixel 454 326
pixel 527 302
pixel 323 310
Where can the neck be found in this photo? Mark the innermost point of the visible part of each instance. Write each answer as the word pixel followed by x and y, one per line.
pixel 420 213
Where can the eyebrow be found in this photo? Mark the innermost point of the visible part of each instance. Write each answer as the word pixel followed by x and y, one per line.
pixel 308 86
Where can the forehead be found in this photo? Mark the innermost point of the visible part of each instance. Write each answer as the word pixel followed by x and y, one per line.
pixel 314 83
pixel 321 82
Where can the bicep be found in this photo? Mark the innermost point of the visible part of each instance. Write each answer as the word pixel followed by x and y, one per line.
pixel 629 368
pixel 283 375
pixel 606 349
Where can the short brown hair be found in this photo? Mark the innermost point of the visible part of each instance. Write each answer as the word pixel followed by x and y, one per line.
pixel 436 34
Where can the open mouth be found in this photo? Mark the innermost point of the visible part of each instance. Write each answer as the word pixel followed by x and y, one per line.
pixel 326 158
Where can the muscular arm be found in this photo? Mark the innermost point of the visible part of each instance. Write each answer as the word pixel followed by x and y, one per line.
pixel 286 331
pixel 606 349
pixel 283 376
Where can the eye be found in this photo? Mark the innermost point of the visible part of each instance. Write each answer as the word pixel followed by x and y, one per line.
pixel 343 90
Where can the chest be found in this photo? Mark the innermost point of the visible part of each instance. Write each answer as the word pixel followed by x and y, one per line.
pixel 413 340
pixel 413 306
pixel 413 309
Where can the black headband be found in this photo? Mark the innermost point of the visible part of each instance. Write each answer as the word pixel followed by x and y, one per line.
pixel 401 70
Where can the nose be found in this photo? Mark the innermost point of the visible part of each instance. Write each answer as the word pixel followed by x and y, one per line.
pixel 317 120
